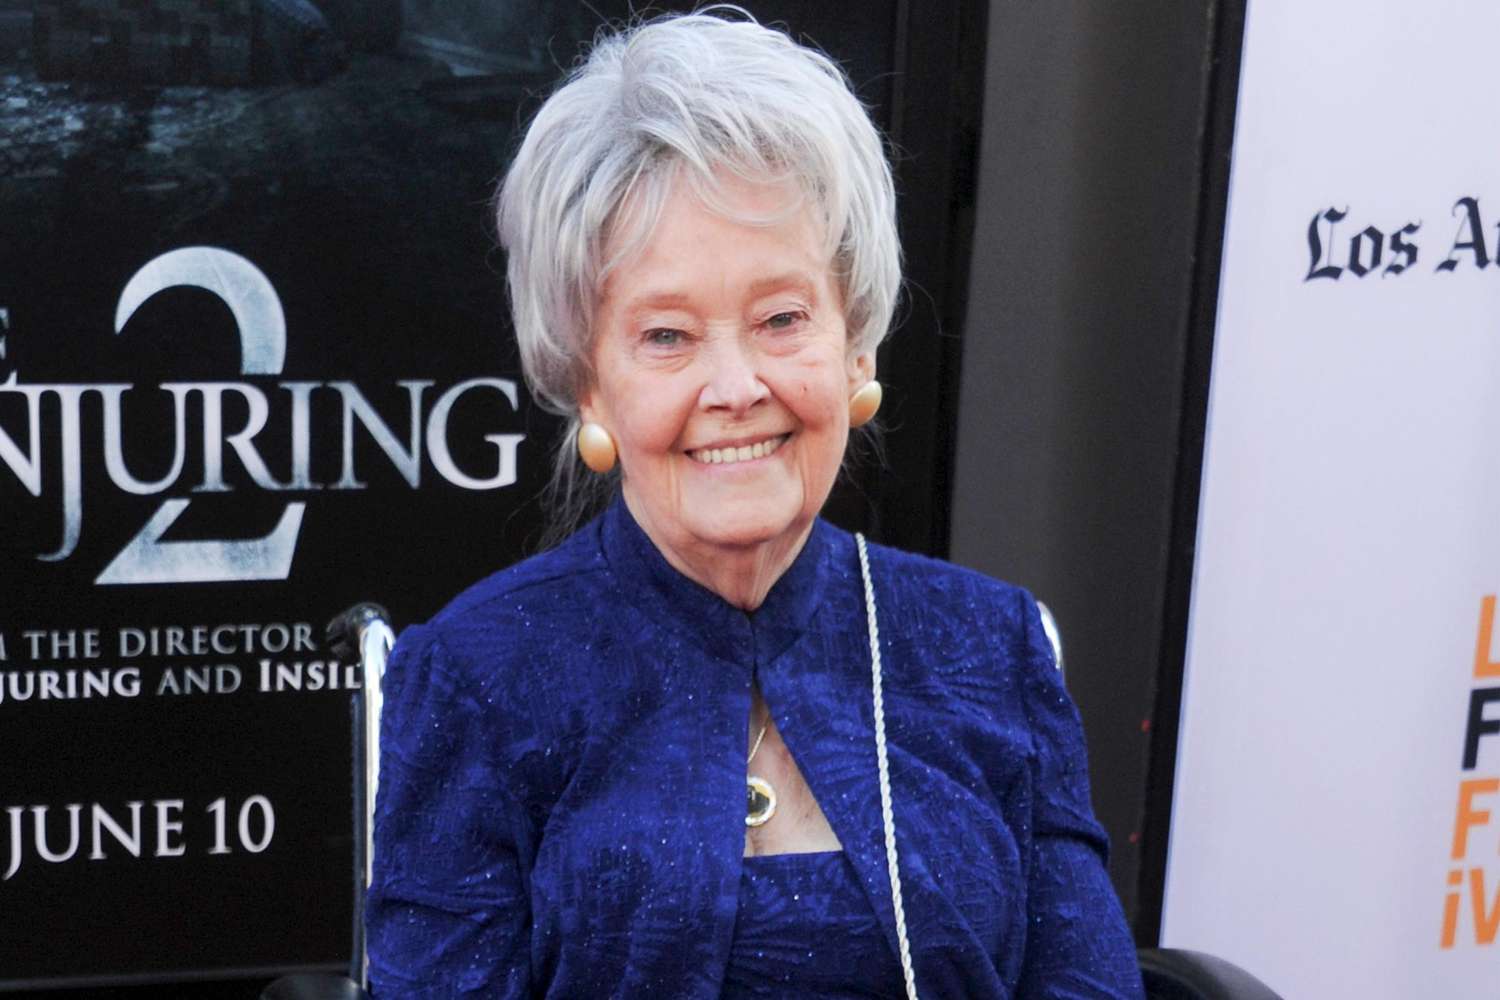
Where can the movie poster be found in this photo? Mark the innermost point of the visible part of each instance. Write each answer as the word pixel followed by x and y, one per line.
pixel 254 367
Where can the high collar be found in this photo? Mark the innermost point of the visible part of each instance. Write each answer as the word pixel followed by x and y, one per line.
pixel 688 608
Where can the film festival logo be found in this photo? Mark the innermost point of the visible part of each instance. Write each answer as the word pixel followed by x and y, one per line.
pixel 1471 904
pixel 261 325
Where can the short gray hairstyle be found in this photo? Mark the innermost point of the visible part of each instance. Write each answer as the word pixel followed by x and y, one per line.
pixel 683 96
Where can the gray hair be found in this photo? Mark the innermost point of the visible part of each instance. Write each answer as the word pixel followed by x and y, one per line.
pixel 681 96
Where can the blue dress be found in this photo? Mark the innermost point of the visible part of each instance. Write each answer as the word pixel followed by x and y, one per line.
pixel 806 929
pixel 563 788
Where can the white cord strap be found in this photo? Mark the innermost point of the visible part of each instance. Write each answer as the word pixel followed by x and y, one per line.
pixel 887 816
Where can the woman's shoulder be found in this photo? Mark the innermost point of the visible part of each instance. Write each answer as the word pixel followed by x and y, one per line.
pixel 922 589
pixel 972 639
pixel 963 634
pixel 510 614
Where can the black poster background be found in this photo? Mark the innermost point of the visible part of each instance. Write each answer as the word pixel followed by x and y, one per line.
pixel 361 198
pixel 358 184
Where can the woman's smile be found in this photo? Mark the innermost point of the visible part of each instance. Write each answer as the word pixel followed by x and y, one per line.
pixel 738 452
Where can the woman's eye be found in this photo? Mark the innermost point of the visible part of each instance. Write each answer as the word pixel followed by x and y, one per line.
pixel 663 337
pixel 783 320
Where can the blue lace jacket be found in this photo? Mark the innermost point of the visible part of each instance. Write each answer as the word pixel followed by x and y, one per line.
pixel 563 777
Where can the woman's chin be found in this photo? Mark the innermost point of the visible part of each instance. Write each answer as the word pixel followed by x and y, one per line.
pixel 746 522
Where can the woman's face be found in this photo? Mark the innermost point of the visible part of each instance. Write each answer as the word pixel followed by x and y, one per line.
pixel 723 372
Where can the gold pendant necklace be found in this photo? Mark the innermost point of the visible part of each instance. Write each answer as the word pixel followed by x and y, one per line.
pixel 760 801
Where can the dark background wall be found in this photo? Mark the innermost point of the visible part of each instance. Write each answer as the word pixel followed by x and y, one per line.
pixel 1079 310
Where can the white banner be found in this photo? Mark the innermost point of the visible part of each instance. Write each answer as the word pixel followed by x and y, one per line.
pixel 1336 821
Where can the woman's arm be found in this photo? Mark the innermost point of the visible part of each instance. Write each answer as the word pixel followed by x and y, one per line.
pixel 1077 944
pixel 447 913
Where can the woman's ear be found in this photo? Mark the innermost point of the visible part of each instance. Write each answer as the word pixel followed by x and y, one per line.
pixel 860 369
pixel 588 410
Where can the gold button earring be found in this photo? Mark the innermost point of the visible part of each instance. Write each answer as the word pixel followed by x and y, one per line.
pixel 864 403
pixel 596 447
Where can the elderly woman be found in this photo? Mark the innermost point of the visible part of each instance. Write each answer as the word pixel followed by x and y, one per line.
pixel 710 745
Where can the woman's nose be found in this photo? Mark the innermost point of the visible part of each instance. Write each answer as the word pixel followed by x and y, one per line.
pixel 733 381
